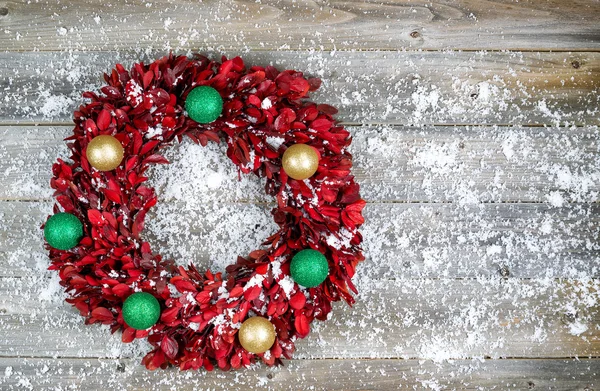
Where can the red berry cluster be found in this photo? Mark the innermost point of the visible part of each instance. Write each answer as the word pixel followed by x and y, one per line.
pixel 202 311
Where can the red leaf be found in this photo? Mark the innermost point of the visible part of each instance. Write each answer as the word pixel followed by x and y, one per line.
pixel 321 125
pixel 301 325
pixel 299 85
pixel 252 293
pixel 128 335
pixel 284 119
pixel 131 163
pixel 327 109
pixel 169 346
pixel 103 120
pixel 90 127
pixel 353 211
pixel 314 83
pixel 169 315
pixel 168 122
pixel 184 286
pixel 102 314
pixel 148 76
pixel 114 196
pixel 95 217
pixel 121 290
pixel 147 147
pixel 236 291
pixel 298 301
pixel 157 159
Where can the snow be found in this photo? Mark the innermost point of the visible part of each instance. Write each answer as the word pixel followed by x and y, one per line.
pixel 449 207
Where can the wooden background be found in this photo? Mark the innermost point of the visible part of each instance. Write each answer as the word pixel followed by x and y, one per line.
pixel 475 130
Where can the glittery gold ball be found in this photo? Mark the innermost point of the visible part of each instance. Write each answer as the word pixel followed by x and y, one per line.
pixel 300 161
pixel 105 153
pixel 257 334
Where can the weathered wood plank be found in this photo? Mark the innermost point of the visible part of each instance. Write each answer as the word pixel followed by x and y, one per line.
pixel 465 165
pixel 304 25
pixel 368 87
pixel 401 240
pixel 330 375
pixel 430 319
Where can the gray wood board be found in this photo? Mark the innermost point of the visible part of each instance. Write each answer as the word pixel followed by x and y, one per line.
pixel 330 375
pixel 368 87
pixel 465 165
pixel 428 319
pixel 400 240
pixel 306 25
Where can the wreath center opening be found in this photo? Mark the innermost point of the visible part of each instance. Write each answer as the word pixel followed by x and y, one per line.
pixel 207 214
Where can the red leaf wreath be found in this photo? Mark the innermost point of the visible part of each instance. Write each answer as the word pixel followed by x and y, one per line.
pixel 202 312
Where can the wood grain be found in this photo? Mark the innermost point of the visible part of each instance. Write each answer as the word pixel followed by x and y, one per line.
pixel 330 375
pixel 464 165
pixel 400 240
pixel 429 319
pixel 303 25
pixel 481 238
pixel 368 87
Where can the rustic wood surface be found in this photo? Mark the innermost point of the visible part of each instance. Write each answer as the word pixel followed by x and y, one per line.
pixel 351 374
pixel 305 25
pixel 476 142
pixel 400 87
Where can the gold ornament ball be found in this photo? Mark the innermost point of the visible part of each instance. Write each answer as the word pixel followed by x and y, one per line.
pixel 105 153
pixel 300 161
pixel 257 334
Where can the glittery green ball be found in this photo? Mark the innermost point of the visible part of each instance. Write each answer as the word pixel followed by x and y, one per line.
pixel 141 310
pixel 204 104
pixel 309 268
pixel 63 231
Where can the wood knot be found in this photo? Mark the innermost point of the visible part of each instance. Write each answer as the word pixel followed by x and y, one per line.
pixel 530 385
pixel 269 376
pixel 3 11
pixel 575 64
pixel 570 317
pixel 415 34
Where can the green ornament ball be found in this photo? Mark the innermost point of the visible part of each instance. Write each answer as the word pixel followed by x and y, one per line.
pixel 141 310
pixel 309 268
pixel 204 104
pixel 63 231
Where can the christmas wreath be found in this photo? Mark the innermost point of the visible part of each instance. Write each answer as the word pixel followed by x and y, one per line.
pixel 263 302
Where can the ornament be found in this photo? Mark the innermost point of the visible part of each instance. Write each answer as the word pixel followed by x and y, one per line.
pixel 204 104
pixel 104 153
pixel 197 310
pixel 63 231
pixel 257 334
pixel 300 161
pixel 141 310
pixel 309 268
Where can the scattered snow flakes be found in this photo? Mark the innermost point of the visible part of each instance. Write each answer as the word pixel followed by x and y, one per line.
pixel 578 327
pixel 256 280
pixel 54 105
pixel 555 199
pixel 438 158
pixel 339 240
pixel 156 131
pixel 275 142
pixel 411 303
pixel 287 284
